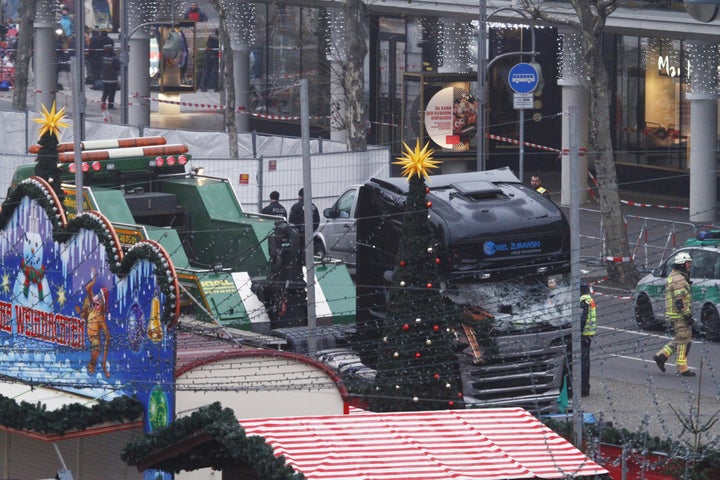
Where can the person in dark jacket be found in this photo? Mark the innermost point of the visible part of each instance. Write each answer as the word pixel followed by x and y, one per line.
pixel 110 72
pixel 297 214
pixel 94 56
pixel 211 61
pixel 275 207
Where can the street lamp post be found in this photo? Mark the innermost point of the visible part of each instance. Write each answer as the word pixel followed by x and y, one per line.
pixel 483 69
pixel 482 90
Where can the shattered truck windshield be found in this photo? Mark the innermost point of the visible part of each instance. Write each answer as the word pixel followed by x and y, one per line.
pixel 520 305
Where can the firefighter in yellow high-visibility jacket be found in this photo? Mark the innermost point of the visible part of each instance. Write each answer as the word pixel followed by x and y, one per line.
pixel 678 312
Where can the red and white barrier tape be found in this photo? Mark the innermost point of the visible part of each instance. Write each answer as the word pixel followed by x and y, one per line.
pixel 517 142
pixel 617 297
pixel 639 204
pixel 619 259
pixel 602 294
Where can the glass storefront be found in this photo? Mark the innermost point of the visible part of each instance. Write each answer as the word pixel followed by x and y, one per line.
pixel 289 44
pixel 652 112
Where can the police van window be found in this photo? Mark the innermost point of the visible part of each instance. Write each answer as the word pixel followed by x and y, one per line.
pixel 703 265
pixel 716 270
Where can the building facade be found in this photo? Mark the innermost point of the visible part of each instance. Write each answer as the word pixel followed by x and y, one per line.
pixel 659 60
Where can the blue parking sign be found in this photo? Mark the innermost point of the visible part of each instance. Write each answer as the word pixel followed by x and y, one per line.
pixel 523 78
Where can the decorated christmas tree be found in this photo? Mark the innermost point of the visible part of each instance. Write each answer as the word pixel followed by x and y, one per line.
pixel 47 157
pixel 417 368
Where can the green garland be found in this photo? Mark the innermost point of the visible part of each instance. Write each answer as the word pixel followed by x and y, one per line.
pixel 229 445
pixel 35 417
pixel 36 191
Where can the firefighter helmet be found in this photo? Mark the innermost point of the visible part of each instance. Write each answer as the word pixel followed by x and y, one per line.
pixel 681 258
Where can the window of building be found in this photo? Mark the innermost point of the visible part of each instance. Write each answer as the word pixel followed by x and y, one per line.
pixel 652 114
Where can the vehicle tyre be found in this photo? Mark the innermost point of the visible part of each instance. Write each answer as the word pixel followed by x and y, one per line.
pixel 319 248
pixel 711 323
pixel 644 316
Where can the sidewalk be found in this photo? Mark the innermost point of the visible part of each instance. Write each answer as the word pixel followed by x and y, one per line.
pixel 200 111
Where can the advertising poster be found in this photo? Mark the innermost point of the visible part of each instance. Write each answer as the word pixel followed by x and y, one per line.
pixel 451 119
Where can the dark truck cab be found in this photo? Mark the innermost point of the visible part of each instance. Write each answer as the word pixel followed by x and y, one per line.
pixel 504 254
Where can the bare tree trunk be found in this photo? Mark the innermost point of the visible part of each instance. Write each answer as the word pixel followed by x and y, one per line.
pixel 23 56
pixel 592 22
pixel 228 78
pixel 353 80
pixel 592 16
pixel 623 272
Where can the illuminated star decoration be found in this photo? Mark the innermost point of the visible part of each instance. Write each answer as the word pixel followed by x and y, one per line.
pixel 5 283
pixel 417 162
pixel 52 121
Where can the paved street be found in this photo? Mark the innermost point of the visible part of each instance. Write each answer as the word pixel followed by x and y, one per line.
pixel 627 387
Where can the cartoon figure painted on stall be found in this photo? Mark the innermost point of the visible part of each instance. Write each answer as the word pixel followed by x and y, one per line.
pixel 94 311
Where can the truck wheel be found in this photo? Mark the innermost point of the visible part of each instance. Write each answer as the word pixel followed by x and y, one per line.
pixel 644 316
pixel 711 323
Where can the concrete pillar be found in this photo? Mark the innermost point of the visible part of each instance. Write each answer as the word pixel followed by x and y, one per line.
pixel 241 71
pixel 241 19
pixel 573 94
pixel 45 58
pixel 703 94
pixel 139 80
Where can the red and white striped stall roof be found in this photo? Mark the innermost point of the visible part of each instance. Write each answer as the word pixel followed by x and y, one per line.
pixel 487 444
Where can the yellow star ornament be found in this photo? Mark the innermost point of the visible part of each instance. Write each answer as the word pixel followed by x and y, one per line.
pixel 52 121
pixel 418 161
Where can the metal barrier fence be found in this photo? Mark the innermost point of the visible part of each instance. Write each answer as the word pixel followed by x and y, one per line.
pixel 651 239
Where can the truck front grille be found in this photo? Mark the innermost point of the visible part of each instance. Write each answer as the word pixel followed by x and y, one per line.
pixel 527 371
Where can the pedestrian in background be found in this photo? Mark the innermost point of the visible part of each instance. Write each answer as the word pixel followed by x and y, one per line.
pixel 678 311
pixel 274 207
pixel 536 183
pixel 588 328
pixel 211 62
pixel 297 214
pixel 66 23
pixel 94 57
pixel 110 72
pixel 194 13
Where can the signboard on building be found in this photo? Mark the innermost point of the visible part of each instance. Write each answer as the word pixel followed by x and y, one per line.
pixel 77 313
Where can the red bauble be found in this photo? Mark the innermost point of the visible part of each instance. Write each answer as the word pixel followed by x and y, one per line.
pixel 451 403
pixel 406 327
pixel 436 376
pixel 402 263
pixel 427 190
pixel 437 261
pixel 436 328
pixel 428 285
pixel 417 355
pixel 428 204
